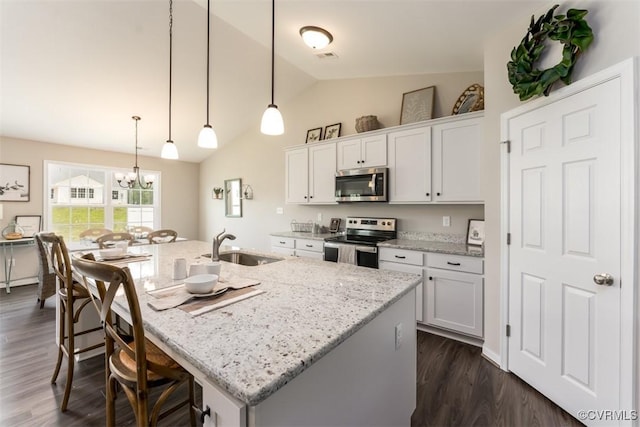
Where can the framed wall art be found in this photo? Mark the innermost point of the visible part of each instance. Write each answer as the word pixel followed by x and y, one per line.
pixel 30 224
pixel 475 232
pixel 314 135
pixel 332 131
pixel 14 183
pixel 417 105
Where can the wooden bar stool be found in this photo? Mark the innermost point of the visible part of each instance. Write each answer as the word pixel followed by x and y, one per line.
pixel 162 236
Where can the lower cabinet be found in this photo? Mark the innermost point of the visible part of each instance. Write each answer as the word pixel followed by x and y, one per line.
pixel 307 248
pixel 451 296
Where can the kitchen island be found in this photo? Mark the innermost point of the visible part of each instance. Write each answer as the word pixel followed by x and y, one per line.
pixel 325 344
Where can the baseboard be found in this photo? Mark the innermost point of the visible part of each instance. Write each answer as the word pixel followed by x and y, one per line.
pixel 21 282
pixel 491 356
pixel 478 342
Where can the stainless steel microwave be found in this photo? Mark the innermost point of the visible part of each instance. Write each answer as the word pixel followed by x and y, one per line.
pixel 362 185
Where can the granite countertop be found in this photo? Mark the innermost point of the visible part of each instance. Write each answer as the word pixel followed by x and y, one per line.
pixel 255 346
pixel 302 235
pixel 452 248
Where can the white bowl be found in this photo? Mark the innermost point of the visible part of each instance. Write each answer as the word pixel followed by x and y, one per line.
pixel 201 283
pixel 110 253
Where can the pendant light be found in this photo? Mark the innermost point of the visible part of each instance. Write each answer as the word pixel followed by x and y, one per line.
pixel 133 179
pixel 272 123
pixel 169 149
pixel 207 137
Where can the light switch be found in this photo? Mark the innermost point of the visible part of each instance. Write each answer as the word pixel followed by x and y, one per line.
pixel 279 211
pixel 446 221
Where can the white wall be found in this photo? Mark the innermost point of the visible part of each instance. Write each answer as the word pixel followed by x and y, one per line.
pixel 259 160
pixel 616 26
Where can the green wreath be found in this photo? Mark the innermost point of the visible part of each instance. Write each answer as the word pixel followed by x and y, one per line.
pixel 571 30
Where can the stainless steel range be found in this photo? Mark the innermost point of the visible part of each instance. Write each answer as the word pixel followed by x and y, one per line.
pixel 358 244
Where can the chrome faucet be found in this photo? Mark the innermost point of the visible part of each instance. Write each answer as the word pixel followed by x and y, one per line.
pixel 217 241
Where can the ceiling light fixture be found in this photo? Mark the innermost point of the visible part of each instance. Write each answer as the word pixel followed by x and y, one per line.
pixel 207 137
pixel 316 37
pixel 272 123
pixel 133 179
pixel 169 149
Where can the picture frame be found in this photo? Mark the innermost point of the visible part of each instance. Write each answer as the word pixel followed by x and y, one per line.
pixel 417 105
pixel 314 135
pixel 475 232
pixel 472 99
pixel 14 183
pixel 31 224
pixel 335 225
pixel 332 131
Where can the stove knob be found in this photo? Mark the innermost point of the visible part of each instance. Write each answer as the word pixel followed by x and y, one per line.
pixel 384 223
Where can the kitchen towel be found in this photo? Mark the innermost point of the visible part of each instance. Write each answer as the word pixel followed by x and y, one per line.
pixel 347 254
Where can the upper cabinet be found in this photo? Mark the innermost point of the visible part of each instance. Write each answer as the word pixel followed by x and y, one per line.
pixel 410 165
pixel 310 174
pixel 365 152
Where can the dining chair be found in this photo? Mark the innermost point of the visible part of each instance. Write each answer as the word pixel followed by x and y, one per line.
pixel 46 274
pixel 162 236
pixel 109 239
pixel 94 233
pixel 137 365
pixel 73 298
pixel 140 231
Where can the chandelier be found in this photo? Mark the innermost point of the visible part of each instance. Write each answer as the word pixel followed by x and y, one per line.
pixel 133 179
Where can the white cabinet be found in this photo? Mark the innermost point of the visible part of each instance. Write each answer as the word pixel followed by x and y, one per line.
pixel 456 161
pixel 310 174
pixel 406 262
pixel 283 245
pixel 410 166
pixel 362 152
pixel 290 246
pixel 454 293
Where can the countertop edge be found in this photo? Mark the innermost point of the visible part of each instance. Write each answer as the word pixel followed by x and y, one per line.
pixel 434 247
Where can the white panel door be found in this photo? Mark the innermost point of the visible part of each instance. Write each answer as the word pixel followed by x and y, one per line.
pixel 565 224
pixel 410 165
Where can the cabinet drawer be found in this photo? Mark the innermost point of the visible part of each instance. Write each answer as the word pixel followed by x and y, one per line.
pixel 283 242
pixel 402 256
pixel 310 245
pixel 456 262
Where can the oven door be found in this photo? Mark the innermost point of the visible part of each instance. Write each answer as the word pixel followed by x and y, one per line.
pixel 367 256
pixel 331 251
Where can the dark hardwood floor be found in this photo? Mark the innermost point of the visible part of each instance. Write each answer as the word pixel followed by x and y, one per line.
pixel 456 385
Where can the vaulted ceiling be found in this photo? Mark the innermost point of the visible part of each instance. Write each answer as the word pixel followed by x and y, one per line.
pixel 74 72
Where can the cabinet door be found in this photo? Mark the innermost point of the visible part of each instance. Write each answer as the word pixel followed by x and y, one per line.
pixel 374 151
pixel 349 154
pixel 322 174
pixel 410 166
pixel 309 254
pixel 454 300
pixel 283 251
pixel 404 268
pixel 456 161
pixel 297 175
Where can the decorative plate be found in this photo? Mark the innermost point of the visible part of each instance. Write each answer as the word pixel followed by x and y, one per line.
pixel 472 99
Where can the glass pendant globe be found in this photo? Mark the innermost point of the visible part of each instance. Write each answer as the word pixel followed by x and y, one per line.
pixel 169 151
pixel 207 137
pixel 272 123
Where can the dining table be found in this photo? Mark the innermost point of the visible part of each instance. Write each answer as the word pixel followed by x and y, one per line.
pixel 316 343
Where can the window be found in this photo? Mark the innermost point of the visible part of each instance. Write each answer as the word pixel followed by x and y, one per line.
pixel 78 200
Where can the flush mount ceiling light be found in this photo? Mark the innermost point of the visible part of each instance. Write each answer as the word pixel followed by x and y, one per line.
pixel 169 149
pixel 272 123
pixel 208 137
pixel 316 37
pixel 133 179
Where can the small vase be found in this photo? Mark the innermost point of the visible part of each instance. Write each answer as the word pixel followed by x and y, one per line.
pixel 13 231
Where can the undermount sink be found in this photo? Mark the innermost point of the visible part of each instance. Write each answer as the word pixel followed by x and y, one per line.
pixel 244 258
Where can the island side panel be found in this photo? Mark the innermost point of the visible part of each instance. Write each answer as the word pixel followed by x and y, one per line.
pixel 365 381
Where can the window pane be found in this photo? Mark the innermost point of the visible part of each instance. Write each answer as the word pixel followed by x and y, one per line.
pixel 96 217
pixel 60 215
pixel 147 197
pixel 133 197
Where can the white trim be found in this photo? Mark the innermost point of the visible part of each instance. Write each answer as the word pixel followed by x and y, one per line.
pixel 492 356
pixel 627 71
pixel 477 342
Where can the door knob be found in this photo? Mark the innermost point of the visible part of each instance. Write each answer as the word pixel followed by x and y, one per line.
pixel 604 279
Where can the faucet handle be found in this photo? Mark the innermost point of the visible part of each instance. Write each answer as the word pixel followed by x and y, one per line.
pixel 221 233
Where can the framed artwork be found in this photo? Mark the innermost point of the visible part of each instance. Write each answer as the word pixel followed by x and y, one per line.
pixel 417 105
pixel 475 232
pixel 335 225
pixel 314 135
pixel 472 99
pixel 30 224
pixel 332 131
pixel 14 183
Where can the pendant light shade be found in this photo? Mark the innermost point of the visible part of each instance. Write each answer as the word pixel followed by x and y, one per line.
pixel 169 149
pixel 207 137
pixel 272 123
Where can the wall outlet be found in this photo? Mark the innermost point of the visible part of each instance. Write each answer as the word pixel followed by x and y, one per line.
pixel 279 211
pixel 319 217
pixel 398 332
pixel 446 221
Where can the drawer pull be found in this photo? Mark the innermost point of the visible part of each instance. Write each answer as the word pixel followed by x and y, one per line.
pixel 400 256
pixel 309 246
pixel 282 243
pixel 201 414
pixel 453 263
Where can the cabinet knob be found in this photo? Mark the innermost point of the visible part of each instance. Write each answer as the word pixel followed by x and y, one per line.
pixel 311 197
pixel 428 194
pixel 305 197
pixel 430 278
pixel 201 414
pixel 437 194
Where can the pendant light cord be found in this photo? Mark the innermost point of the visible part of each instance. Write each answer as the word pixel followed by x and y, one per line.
pixel 273 47
pixel 208 48
pixel 170 59
pixel 136 118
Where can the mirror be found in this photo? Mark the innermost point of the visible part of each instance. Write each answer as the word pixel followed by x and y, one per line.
pixel 232 200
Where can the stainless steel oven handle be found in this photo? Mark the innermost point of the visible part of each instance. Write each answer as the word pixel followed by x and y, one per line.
pixel 368 249
pixel 331 245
